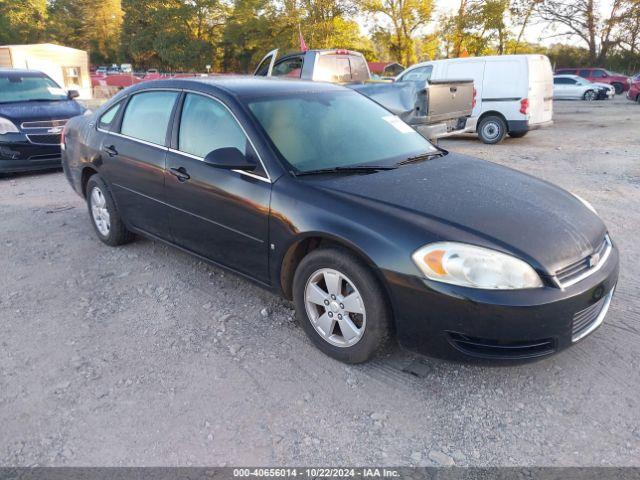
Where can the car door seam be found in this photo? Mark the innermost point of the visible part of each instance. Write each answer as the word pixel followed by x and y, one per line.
pixel 255 239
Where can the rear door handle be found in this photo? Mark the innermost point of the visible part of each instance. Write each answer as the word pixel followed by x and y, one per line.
pixel 111 150
pixel 180 173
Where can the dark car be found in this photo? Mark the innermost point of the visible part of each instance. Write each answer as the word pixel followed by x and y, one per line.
pixel 322 195
pixel 599 75
pixel 33 111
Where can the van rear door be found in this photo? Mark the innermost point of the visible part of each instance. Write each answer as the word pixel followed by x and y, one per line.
pixel 540 89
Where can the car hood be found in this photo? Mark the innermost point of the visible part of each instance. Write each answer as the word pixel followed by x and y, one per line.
pixel 30 111
pixel 603 85
pixel 503 208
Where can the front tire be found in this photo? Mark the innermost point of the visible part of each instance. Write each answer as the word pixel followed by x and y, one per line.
pixel 341 305
pixel 590 96
pixel 492 129
pixel 619 88
pixel 104 215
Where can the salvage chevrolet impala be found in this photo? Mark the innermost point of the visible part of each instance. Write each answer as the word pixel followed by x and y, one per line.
pixel 324 196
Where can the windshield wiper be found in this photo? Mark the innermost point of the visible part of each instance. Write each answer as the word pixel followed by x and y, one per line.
pixel 354 169
pixel 421 157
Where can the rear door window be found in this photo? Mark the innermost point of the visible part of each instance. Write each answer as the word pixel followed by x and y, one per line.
pixel 288 67
pixel 147 116
pixel 585 73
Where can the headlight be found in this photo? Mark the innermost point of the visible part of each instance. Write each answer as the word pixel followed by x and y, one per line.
pixel 7 126
pixel 475 267
pixel 585 203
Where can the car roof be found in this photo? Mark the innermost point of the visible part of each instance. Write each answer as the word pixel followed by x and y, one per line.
pixel 242 85
pixel 22 71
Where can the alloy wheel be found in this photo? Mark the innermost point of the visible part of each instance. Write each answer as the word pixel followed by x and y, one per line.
pixel 100 212
pixel 335 307
pixel 590 96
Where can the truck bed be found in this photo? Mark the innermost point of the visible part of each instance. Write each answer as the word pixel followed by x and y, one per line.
pixel 419 103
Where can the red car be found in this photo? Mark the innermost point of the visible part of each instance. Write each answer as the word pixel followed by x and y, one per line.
pixel 634 92
pixel 599 75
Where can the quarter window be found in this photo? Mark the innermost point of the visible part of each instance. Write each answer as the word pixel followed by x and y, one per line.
pixel 207 125
pixel 147 116
pixel 107 118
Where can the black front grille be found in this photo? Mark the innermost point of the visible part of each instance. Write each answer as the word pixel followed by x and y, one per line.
pixel 485 348
pixel 576 269
pixel 583 320
pixel 46 139
pixel 44 124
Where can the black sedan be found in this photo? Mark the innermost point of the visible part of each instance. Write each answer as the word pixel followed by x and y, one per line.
pixel 33 111
pixel 320 194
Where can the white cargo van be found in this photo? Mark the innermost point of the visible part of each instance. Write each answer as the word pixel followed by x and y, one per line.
pixel 514 93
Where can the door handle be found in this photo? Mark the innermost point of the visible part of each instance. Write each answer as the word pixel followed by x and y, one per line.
pixel 111 150
pixel 453 89
pixel 180 173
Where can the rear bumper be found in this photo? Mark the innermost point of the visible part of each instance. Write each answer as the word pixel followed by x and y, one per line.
pixel 447 128
pixel 452 322
pixel 22 156
pixel 524 125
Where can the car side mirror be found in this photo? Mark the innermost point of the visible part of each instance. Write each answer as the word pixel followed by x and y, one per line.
pixel 229 158
pixel 71 94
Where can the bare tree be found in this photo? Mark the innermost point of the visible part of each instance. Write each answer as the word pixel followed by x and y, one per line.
pixel 582 19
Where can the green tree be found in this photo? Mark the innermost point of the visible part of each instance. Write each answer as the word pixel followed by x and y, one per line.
pixel 174 34
pixel 22 21
pixel 400 23
pixel 92 25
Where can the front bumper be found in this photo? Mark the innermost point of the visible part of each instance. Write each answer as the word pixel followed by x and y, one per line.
pixel 449 321
pixel 17 154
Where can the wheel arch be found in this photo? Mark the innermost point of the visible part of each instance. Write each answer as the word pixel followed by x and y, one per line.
pixel 87 172
pixel 310 241
pixel 491 113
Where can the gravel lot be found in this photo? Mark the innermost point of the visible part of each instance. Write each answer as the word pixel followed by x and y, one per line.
pixel 142 355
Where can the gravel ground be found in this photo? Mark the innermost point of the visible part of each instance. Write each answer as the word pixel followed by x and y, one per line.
pixel 142 355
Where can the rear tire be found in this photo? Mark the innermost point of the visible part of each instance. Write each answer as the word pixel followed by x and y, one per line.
pixel 518 134
pixel 104 215
pixel 341 305
pixel 492 129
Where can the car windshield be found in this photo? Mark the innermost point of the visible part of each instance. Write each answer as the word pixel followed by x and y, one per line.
pixel 333 129
pixel 15 87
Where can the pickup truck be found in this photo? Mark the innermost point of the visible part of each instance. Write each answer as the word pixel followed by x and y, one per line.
pixel 435 109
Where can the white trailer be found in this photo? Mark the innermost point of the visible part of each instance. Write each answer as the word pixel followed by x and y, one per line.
pixel 69 67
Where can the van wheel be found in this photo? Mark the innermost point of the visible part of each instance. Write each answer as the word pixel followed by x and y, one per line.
pixel 590 95
pixel 518 134
pixel 492 129
pixel 105 218
pixel 341 305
